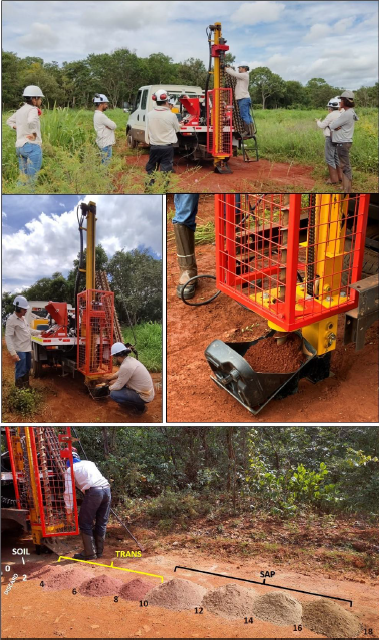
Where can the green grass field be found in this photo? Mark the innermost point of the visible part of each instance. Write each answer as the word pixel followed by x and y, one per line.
pixel 71 161
pixel 148 343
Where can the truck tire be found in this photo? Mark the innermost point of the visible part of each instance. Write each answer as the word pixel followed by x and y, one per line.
pixel 131 142
pixel 36 367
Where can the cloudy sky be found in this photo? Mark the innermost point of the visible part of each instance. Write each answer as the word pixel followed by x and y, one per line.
pixel 40 233
pixel 298 39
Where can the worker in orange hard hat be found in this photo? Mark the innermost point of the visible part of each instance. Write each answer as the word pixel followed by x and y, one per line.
pixel 95 509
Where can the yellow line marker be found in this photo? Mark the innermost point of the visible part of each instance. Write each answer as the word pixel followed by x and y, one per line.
pixel 111 566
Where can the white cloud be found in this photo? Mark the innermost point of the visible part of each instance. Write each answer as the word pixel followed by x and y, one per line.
pixel 3 214
pixel 342 25
pixel 250 13
pixel 318 32
pixel 40 37
pixel 61 204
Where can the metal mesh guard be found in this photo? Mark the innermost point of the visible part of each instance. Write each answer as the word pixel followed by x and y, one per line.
pixel 219 122
pixel 95 332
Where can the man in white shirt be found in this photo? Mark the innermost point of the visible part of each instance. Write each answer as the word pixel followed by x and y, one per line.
pixel 242 94
pixel 95 509
pixel 342 131
pixel 161 128
pixel 26 122
pixel 104 128
pixel 331 155
pixel 19 344
pixel 133 384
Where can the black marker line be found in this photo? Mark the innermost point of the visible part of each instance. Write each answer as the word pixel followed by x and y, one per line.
pixel 266 584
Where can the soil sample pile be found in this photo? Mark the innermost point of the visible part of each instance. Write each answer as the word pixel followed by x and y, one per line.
pixel 330 619
pixel 230 601
pixel 136 589
pixel 177 594
pixel 57 578
pixel 266 356
pixel 278 608
pixel 101 586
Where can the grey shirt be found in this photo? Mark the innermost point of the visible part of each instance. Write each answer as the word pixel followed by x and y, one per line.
pixel 346 122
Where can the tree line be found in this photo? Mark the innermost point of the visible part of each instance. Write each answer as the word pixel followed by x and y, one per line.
pixel 134 276
pixel 120 74
pixel 276 469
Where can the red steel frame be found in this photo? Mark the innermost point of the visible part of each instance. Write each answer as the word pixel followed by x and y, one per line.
pixel 232 242
pixel 223 144
pixel 95 322
pixel 44 485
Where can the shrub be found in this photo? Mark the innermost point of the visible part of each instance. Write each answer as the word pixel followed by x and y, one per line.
pixel 24 401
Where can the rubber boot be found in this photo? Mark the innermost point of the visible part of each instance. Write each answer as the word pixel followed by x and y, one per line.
pixel 339 173
pixel 99 543
pixel 19 382
pixel 89 551
pixel 251 129
pixel 247 129
pixel 346 184
pixel 333 176
pixel 26 381
pixel 185 247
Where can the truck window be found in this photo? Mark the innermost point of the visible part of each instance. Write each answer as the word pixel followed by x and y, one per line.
pixel 144 99
pixel 138 100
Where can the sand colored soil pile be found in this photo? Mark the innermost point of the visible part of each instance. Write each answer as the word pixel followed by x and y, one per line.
pixel 330 619
pixel 57 578
pixel 177 594
pixel 266 356
pixel 230 601
pixel 278 608
pixel 136 589
pixel 101 586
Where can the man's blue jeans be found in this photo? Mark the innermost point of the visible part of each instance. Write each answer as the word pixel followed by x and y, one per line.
pixel 129 397
pixel 23 366
pixel 186 205
pixel 94 512
pixel 244 105
pixel 29 159
pixel 106 154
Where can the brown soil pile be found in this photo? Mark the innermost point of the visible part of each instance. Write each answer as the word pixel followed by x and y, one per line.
pixel 136 589
pixel 177 594
pixel 101 586
pixel 230 601
pixel 57 578
pixel 330 619
pixel 266 356
pixel 278 608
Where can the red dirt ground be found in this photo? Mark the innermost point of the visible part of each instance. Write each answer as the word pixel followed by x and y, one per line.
pixel 30 612
pixel 351 395
pixel 246 177
pixel 67 400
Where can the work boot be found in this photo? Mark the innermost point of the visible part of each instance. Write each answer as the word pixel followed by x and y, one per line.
pixel 19 382
pixel 99 544
pixel 246 126
pixel 185 247
pixel 333 176
pixel 26 381
pixel 89 551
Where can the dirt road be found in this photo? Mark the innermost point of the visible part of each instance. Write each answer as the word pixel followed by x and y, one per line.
pixel 29 611
pixel 351 395
pixel 67 400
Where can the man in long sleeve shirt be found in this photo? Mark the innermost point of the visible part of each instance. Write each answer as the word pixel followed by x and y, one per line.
pixel 242 93
pixel 17 338
pixel 26 122
pixel 95 509
pixel 331 155
pixel 104 128
pixel 161 128
pixel 342 136
pixel 133 385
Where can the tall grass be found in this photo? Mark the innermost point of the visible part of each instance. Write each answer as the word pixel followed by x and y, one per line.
pixel 291 135
pixel 148 344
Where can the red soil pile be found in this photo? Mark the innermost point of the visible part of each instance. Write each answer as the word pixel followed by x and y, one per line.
pixel 136 589
pixel 57 578
pixel 266 356
pixel 101 586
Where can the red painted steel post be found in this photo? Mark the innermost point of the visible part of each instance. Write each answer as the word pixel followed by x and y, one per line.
pixel 364 201
pixel 13 468
pixel 76 532
pixel 37 478
pixel 230 229
pixel 292 257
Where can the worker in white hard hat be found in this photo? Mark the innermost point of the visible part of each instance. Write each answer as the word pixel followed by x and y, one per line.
pixel 331 155
pixel 242 95
pixel 342 131
pixel 19 344
pixel 161 128
pixel 26 122
pixel 104 127
pixel 133 386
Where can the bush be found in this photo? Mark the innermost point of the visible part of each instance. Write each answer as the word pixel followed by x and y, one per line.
pixel 23 401
pixel 177 505
pixel 148 339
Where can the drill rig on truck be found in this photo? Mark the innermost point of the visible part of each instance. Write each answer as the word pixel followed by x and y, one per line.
pixel 297 262
pixel 33 485
pixel 83 340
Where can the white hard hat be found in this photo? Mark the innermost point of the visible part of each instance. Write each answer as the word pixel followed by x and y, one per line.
pixel 32 91
pixel 161 95
pixel 21 302
pixel 245 66
pixel 117 347
pixel 100 98
pixel 347 94
pixel 333 103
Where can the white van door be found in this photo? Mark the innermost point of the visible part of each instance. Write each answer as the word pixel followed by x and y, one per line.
pixel 139 117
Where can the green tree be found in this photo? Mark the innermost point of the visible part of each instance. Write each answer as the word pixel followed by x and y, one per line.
pixel 265 84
